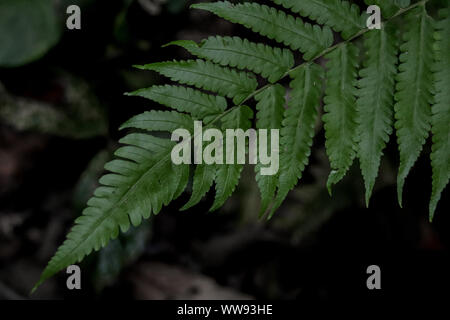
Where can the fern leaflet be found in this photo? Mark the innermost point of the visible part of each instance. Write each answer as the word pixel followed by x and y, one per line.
pixel 208 76
pixel 375 101
pixel 440 154
pixel 414 91
pixel 271 63
pixel 227 175
pixel 274 24
pixel 194 102
pixel 298 128
pixel 270 108
pixel 388 7
pixel 339 15
pixel 340 107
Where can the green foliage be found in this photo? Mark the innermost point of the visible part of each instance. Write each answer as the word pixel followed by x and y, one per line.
pixel 341 16
pixel 375 101
pixel 340 107
pixel 271 63
pixel 388 7
pixel 208 76
pixel 359 101
pixel 33 21
pixel 274 24
pixel 270 108
pixel 77 114
pixel 298 128
pixel 440 119
pixel 414 91
pixel 194 102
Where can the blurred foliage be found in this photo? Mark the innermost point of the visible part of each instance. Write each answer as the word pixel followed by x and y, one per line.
pixel 79 114
pixel 88 181
pixel 119 253
pixel 34 22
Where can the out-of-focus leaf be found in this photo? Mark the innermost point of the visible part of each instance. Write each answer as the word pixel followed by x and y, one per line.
pixel 28 29
pixel 88 181
pixel 121 30
pixel 119 253
pixel 78 115
pixel 176 6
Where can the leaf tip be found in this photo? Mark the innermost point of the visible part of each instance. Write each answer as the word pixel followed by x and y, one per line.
pixel 400 192
pixel 368 195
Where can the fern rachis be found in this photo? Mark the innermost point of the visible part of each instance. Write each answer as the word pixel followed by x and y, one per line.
pixel 358 111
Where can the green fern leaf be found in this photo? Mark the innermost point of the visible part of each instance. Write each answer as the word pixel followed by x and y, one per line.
pixel 388 7
pixel 140 183
pixel 440 154
pixel 274 24
pixel 414 87
pixel 340 15
pixel 238 118
pixel 270 108
pixel 160 121
pixel 375 101
pixel 271 63
pixel 226 179
pixel 133 190
pixel 340 107
pixel 298 128
pixel 195 102
pixel 402 3
pixel 203 179
pixel 140 142
pixel 227 175
pixel 208 76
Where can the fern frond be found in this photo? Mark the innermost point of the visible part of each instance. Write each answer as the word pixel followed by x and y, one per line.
pixel 274 24
pixel 298 128
pixel 207 75
pixel 143 178
pixel 414 87
pixel 270 108
pixel 133 190
pixel 440 121
pixel 341 16
pixel 183 99
pixel 375 101
pixel 340 107
pixel 271 63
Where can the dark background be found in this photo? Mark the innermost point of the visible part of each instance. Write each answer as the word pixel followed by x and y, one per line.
pixel 58 125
